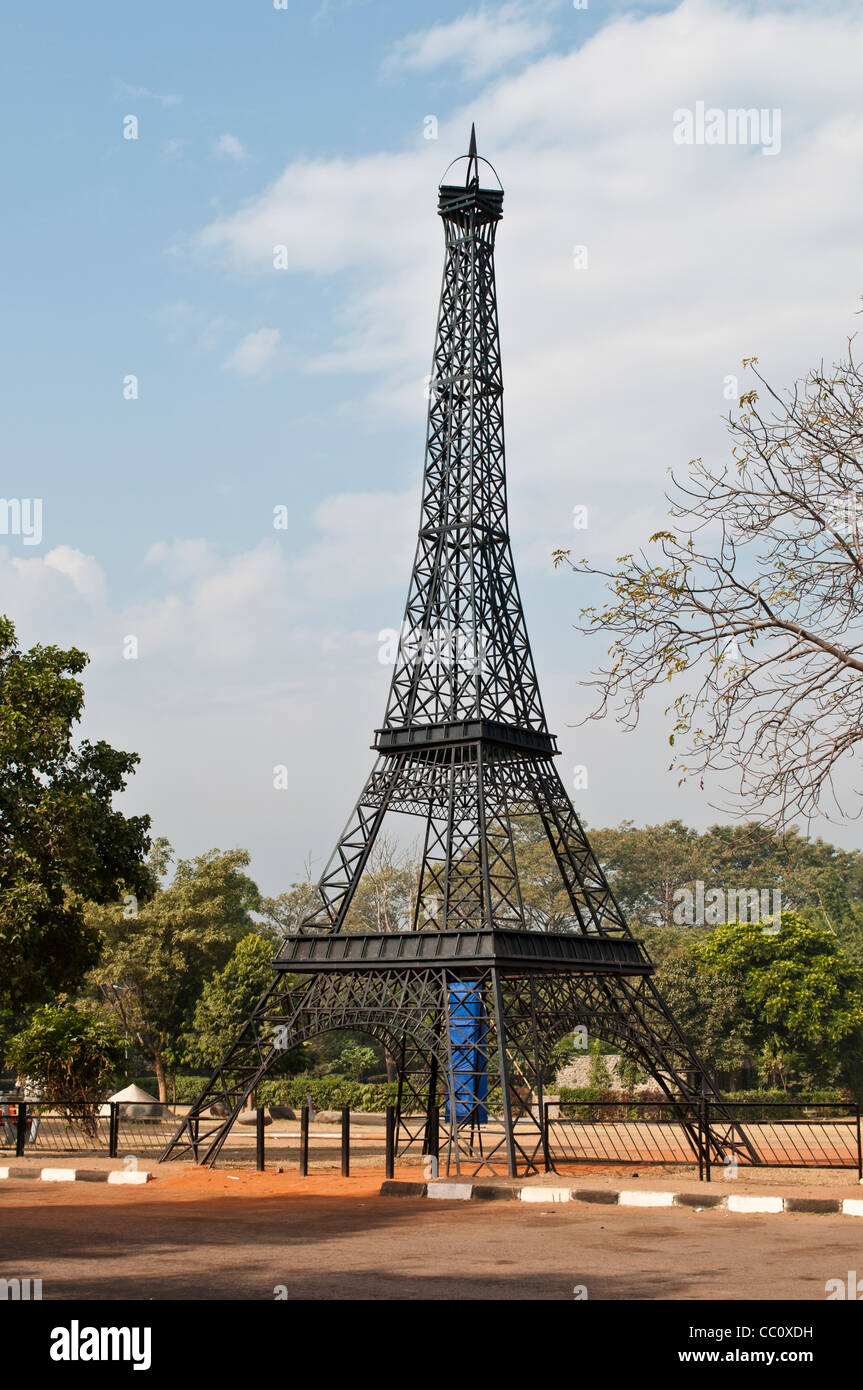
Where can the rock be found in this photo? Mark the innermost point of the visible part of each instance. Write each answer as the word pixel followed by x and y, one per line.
pixel 281 1112
pixel 250 1117
pixel 328 1117
pixel 218 1111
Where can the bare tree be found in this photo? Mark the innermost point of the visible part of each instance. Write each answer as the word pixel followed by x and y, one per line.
pixel 284 913
pixel 382 900
pixel 749 604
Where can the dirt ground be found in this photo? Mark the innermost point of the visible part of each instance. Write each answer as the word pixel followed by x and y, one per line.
pixel 199 1234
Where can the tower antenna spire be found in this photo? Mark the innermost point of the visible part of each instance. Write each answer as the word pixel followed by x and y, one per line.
pixel 472 161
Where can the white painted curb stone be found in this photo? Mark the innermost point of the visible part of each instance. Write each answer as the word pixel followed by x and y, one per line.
pixel 546 1194
pixel 771 1204
pixel 58 1174
pixel 127 1176
pixel 646 1199
pixel 450 1191
pixel 852 1207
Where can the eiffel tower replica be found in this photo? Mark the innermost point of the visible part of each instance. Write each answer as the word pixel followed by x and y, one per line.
pixel 473 993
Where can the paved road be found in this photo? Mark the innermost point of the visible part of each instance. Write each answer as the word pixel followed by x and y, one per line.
pixel 94 1242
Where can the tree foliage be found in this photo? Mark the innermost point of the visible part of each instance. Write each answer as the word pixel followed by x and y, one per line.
pixel 227 1000
pixel 803 997
pixel 72 1054
pixel 155 963
pixel 61 842
pixel 749 603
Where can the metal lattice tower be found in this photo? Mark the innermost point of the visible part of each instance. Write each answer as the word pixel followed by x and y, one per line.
pixel 472 997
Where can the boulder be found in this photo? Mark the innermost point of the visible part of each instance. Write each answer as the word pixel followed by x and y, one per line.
pixel 281 1112
pixel 250 1117
pixel 328 1117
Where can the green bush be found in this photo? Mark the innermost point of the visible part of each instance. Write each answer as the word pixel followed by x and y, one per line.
pixel 328 1093
pixel 72 1055
pixel 592 1104
pixel 792 1105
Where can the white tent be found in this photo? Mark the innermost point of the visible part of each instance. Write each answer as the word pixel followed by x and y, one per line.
pixel 135 1104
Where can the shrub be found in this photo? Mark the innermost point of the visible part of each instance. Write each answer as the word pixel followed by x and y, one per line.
pixel 328 1093
pixel 592 1104
pixel 72 1055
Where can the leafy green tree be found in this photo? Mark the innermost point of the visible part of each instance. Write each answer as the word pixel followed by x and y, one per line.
pixel 803 995
pixel 598 1072
pixel 60 840
pixel 72 1054
pixel 647 865
pixel 711 1010
pixel 357 1061
pixel 155 962
pixel 227 999
pixel 545 899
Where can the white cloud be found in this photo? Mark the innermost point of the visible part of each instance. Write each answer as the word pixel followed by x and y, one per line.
pixel 477 44
pixel 183 559
pixel 253 353
pixel 366 546
pixel 694 254
pixel 163 98
pixel 229 145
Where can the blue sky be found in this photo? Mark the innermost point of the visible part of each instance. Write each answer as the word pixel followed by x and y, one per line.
pixel 305 387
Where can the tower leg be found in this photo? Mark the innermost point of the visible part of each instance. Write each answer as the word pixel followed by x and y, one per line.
pixel 503 1062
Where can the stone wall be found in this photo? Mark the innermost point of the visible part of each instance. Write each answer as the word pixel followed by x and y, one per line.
pixel 577 1073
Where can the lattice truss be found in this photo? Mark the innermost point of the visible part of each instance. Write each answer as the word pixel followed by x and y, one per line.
pixel 523 1016
pixel 472 798
pixel 464 647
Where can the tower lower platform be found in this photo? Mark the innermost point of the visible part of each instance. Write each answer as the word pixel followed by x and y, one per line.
pixel 471 1019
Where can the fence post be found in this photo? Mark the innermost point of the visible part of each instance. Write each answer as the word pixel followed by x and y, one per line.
pixel 546 1153
pixel 21 1129
pixel 859 1148
pixel 433 1142
pixel 707 1138
pixel 346 1142
pixel 701 1139
pixel 391 1140
pixel 113 1128
pixel 304 1142
pixel 259 1138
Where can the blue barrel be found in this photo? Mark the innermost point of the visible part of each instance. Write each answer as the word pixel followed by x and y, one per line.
pixel 467 1041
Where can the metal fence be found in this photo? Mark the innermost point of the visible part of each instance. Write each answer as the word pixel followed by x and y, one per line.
pixel 604 1133
pixel 112 1129
pixel 646 1132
